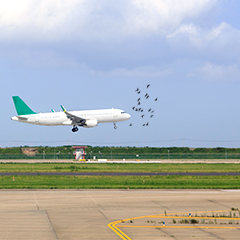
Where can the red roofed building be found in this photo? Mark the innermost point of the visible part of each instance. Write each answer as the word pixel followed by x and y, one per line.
pixel 79 152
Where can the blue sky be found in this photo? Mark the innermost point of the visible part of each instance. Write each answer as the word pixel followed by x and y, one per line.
pixel 94 54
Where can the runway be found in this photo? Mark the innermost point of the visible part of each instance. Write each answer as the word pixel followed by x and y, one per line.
pixel 117 214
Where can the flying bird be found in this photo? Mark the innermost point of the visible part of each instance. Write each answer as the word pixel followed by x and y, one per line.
pixel 151 116
pixel 149 109
pixel 148 85
pixel 139 103
pixel 137 90
pixel 156 99
pixel 130 124
pixel 142 115
pixel 152 111
pixel 139 99
pixel 144 124
pixel 133 108
pixel 147 124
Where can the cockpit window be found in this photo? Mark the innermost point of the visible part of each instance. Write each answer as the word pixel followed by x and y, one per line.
pixel 123 112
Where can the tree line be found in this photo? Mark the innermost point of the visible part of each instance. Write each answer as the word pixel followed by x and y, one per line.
pixel 96 150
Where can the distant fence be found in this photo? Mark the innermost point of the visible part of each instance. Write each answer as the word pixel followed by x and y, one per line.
pixel 37 156
pixel 125 156
pixel 165 156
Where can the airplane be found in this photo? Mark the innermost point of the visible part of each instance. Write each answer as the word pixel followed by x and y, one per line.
pixel 84 118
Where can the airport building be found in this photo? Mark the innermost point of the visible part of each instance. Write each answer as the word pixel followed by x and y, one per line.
pixel 79 152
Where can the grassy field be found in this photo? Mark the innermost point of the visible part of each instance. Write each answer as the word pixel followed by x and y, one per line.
pixel 116 182
pixel 114 167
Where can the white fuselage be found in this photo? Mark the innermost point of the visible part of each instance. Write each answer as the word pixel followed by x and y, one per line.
pixel 60 118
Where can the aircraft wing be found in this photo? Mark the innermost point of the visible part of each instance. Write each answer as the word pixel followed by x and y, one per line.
pixel 75 119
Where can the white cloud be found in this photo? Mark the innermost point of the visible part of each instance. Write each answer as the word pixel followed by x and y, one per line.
pixel 141 72
pixel 86 22
pixel 164 16
pixel 218 44
pixel 199 37
pixel 216 72
pixel 37 19
pixel 57 20
pixel 218 31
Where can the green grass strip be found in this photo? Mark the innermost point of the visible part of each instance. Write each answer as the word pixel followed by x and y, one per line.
pixel 116 167
pixel 119 182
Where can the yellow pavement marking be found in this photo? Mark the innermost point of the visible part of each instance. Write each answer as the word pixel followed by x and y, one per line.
pixel 113 225
pixel 205 217
pixel 129 226
pixel 118 231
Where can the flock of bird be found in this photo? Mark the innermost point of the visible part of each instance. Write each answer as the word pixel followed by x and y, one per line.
pixel 145 114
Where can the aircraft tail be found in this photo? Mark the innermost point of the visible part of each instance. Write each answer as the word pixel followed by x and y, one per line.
pixel 21 107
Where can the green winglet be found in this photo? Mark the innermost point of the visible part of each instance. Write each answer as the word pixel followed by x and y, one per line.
pixel 21 107
pixel 63 108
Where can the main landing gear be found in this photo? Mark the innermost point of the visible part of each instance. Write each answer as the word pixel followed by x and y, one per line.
pixel 75 129
pixel 115 127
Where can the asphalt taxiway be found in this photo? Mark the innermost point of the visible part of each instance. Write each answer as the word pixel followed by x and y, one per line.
pixel 116 214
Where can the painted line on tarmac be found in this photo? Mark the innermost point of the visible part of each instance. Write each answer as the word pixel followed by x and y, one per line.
pixel 120 233
pixel 116 228
pixel 128 226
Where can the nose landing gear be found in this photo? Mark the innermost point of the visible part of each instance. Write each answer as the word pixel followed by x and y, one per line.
pixel 115 127
pixel 75 129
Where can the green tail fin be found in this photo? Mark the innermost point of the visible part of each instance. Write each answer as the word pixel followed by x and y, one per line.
pixel 21 107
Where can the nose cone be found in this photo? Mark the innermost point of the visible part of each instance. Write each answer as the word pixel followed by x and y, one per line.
pixel 128 116
pixel 14 118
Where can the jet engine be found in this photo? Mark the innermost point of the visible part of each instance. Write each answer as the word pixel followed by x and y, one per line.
pixel 90 123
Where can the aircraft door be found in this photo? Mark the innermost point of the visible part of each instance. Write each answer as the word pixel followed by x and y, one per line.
pixel 37 119
pixel 115 113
